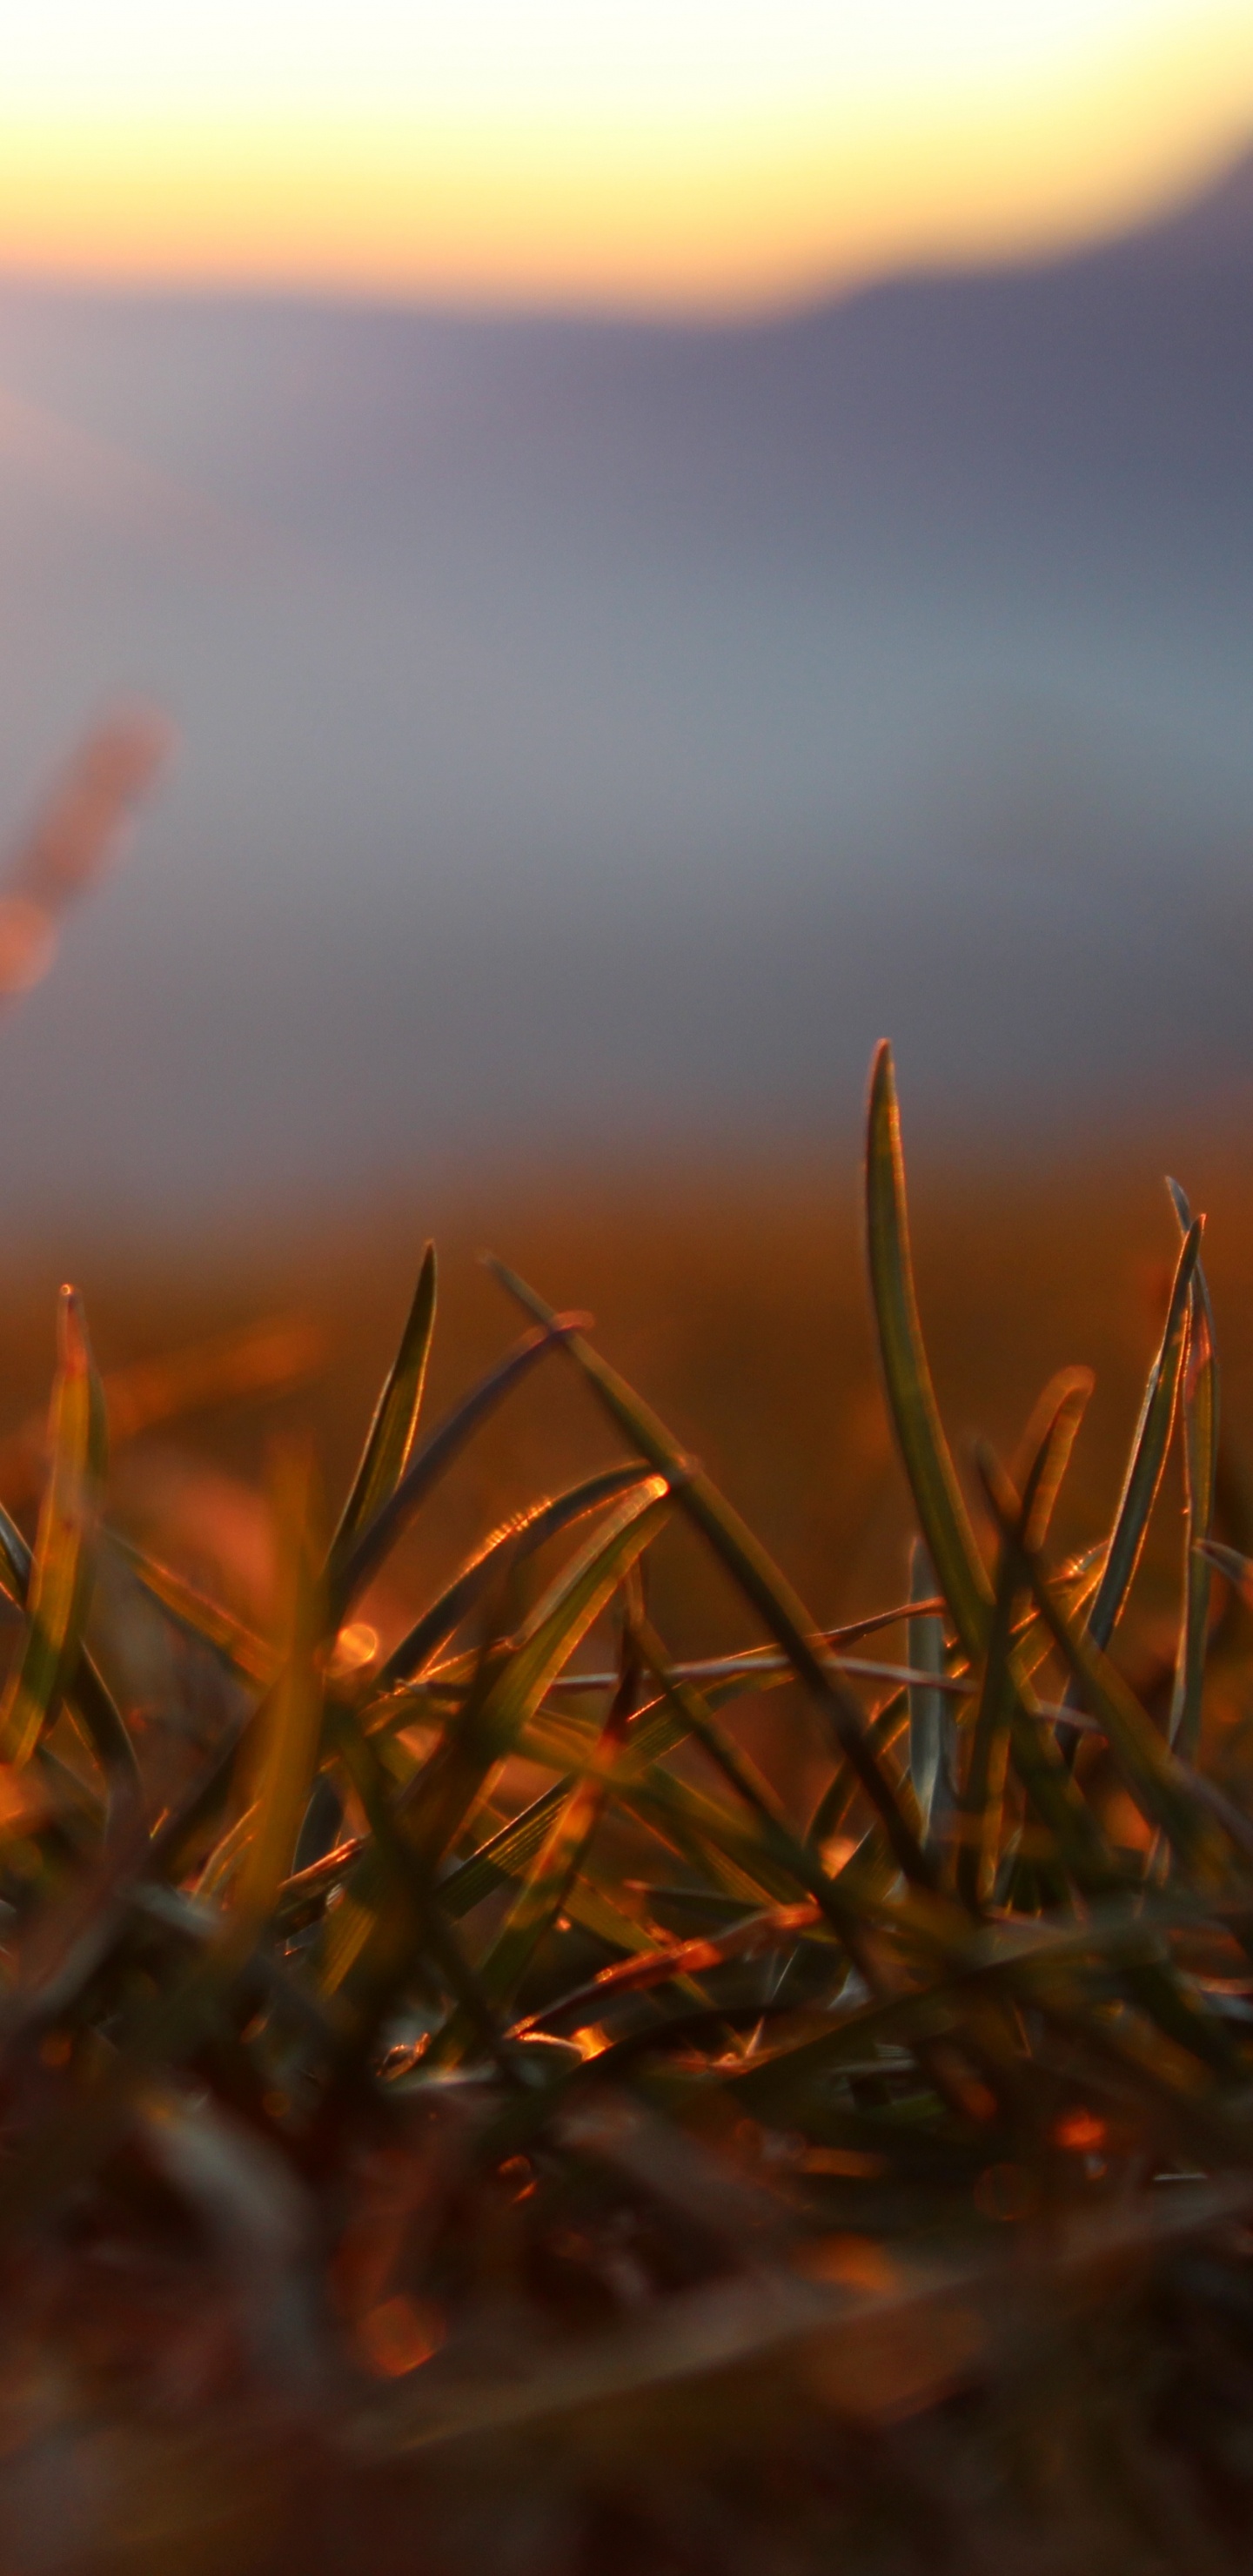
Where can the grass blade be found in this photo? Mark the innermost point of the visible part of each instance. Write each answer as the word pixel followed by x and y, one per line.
pixel 534 1528
pixel 1200 1471
pixel 250 1657
pixel 799 1860
pixel 561 1855
pixel 1155 1778
pixel 1148 1450
pixel 1051 1436
pixel 363 1559
pixel 391 1433
pixel 442 1795
pixel 750 1939
pixel 415 1922
pixel 434 1808
pixel 284 1743
pixel 62 1567
pixel 781 1612
pixel 931 1747
pixel 938 1498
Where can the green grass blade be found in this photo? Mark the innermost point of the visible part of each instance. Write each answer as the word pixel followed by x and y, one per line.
pixel 891 1717
pixel 436 1455
pixel 391 1433
pixel 284 1742
pixel 249 1656
pixel 226 1855
pixel 89 1698
pixel 63 1564
pixel 1152 1773
pixel 438 1801
pixel 778 1607
pixel 558 1623
pixel 1200 1465
pixel 931 1748
pixel 1228 1561
pixel 505 1854
pixel 938 1499
pixel 782 1846
pixel 414 1923
pixel 983 1791
pixel 738 1854
pixel 15 1560
pixel 753 1938
pixel 1046 1447
pixel 546 1885
pixel 543 1521
pixel 654 1732
pixel 1148 1451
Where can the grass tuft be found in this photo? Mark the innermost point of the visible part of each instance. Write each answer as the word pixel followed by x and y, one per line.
pixel 457 2080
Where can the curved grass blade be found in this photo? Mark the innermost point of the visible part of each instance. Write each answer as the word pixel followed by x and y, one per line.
pixel 99 1719
pixel 363 1559
pixel 442 1795
pixel 841 1899
pixel 692 1823
pixel 1046 1446
pixel 63 1565
pixel 1076 1586
pixel 1152 1773
pixel 15 1560
pixel 1052 1435
pixel 534 1528
pixel 1200 1474
pixel 561 1856
pixel 1148 1450
pixel 802 1863
pixel 506 1854
pixel 434 1807
pixel 767 1662
pixel 750 1939
pixel 938 1498
pixel 931 1748
pixel 89 1697
pixel 284 1743
pixel 226 1854
pixel 1234 1568
pixel 655 1731
pixel 414 1918
pixel 249 1656
pixel 781 1612
pixel 391 1434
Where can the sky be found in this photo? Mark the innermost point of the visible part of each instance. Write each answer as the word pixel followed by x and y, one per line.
pixel 686 154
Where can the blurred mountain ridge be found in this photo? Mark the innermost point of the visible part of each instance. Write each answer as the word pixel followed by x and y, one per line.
pixel 599 730
pixel 275 397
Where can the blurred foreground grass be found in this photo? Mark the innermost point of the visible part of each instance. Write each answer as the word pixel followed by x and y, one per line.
pixel 519 2048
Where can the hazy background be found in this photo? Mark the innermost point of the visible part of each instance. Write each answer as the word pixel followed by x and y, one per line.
pixel 596 731
pixel 675 541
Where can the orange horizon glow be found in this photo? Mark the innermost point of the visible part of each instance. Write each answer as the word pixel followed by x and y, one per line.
pixel 912 135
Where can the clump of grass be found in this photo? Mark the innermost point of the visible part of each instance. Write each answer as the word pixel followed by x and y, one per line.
pixel 457 2092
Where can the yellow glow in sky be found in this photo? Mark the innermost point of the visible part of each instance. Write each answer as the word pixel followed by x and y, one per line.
pixel 693 152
